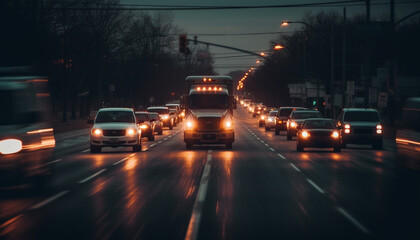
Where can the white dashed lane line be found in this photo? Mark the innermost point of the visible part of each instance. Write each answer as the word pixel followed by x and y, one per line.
pixel 92 176
pixel 353 220
pixel 122 160
pixel 272 149
pixel 293 166
pixel 49 200
pixel 87 150
pixel 278 154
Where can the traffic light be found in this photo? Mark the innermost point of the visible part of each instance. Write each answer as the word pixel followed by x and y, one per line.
pixel 183 43
pixel 314 103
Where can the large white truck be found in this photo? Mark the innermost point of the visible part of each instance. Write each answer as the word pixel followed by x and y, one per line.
pixel 209 105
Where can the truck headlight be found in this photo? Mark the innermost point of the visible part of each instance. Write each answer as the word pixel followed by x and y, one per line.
pixel 228 124
pixel 379 129
pixel 347 128
pixel 305 134
pixel 189 125
pixel 96 131
pixel 131 131
pixel 293 124
pixel 335 134
pixel 143 126
pixel 10 146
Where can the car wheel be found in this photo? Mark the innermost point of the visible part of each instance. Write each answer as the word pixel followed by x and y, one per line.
pixel 228 145
pixel 277 132
pixel 260 125
pixel 171 127
pixel 267 129
pixel 289 137
pixel 378 145
pixel 299 148
pixel 137 148
pixel 151 138
pixel 189 145
pixel 160 132
pixel 95 149
pixel 337 149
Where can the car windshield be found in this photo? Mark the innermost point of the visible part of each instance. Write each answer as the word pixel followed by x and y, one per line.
pixel 209 101
pixel 361 116
pixel 305 115
pixel 142 116
pixel 154 116
pixel 159 110
pixel 286 112
pixel 272 113
pixel 319 124
pixel 115 116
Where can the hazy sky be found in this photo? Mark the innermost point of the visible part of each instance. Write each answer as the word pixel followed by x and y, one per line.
pixel 254 20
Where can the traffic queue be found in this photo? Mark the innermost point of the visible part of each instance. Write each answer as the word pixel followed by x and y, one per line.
pixel 312 130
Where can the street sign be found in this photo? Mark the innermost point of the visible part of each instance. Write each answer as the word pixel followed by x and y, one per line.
pixel 350 88
pixel 382 99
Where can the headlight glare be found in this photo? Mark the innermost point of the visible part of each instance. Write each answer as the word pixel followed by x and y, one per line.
pixel 10 146
pixel 131 131
pixel 97 131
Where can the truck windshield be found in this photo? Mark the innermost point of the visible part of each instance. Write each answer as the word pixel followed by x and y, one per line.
pixel 361 116
pixel 206 101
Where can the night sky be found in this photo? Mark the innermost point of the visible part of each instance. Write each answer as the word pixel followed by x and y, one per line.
pixel 256 20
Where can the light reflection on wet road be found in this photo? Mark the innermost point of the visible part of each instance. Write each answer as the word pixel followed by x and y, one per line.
pixel 260 189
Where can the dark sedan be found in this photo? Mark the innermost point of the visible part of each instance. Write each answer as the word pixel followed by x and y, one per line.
pixel 318 133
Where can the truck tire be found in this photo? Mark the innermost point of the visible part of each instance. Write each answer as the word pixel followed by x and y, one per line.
pixel 267 129
pixel 378 145
pixel 277 132
pixel 289 137
pixel 228 145
pixel 95 149
pixel 151 138
pixel 299 148
pixel 160 132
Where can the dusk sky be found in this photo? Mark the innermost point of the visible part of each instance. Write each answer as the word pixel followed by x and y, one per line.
pixel 256 20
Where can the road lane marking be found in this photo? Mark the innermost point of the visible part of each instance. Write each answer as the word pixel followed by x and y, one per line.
pixel 272 149
pixel 278 154
pixel 353 220
pixel 315 186
pixel 293 166
pixel 92 176
pixel 153 145
pixel 87 150
pixel 144 150
pixel 165 139
pixel 49 200
pixel 262 141
pixel 159 142
pixel 192 231
pixel 122 160
pixel 55 161
pixel 266 144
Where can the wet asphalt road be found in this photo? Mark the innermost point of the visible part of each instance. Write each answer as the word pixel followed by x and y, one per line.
pixel 261 189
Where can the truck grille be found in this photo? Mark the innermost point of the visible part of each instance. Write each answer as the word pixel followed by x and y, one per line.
pixel 114 132
pixel 363 130
pixel 207 124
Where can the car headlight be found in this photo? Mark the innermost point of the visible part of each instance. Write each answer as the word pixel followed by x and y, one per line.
pixel 144 126
pixel 293 124
pixel 262 117
pixel 379 129
pixel 10 146
pixel 335 134
pixel 347 128
pixel 131 131
pixel 182 114
pixel 228 124
pixel 97 131
pixel 270 119
pixel 305 134
pixel 165 117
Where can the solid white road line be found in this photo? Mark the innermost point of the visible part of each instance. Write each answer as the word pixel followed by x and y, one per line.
pixel 55 161
pixel 87 150
pixel 153 145
pixel 353 220
pixel 293 166
pixel 122 160
pixel 278 154
pixel 194 223
pixel 315 186
pixel 92 176
pixel 47 201
pixel 272 149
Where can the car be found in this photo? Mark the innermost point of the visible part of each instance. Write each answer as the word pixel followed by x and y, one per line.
pixel 257 110
pixel 408 135
pixel 146 125
pixel 282 116
pixel 270 120
pixel 167 119
pixel 178 114
pixel 296 118
pixel 318 133
pixel 115 127
pixel 26 137
pixel 361 126
pixel 174 114
pixel 154 117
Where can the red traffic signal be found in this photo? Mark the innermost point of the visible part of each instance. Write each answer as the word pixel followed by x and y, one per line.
pixel 183 43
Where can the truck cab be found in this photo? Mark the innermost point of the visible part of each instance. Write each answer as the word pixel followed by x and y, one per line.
pixel 209 108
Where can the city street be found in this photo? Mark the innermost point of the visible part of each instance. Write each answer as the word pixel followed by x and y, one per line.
pixel 261 189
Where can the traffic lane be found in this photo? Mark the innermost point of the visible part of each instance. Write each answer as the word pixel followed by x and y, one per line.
pixel 147 196
pixel 366 182
pixel 255 194
pixel 67 171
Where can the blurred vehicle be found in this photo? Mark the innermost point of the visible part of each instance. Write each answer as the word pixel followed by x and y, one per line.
pixel 146 125
pixel 251 107
pixel 408 135
pixel 296 118
pixel 179 115
pixel 163 112
pixel 283 114
pixel 247 102
pixel 270 120
pixel 154 117
pixel 209 103
pixel 257 110
pixel 318 133
pixel 26 138
pixel 174 115
pixel 361 126
pixel 115 127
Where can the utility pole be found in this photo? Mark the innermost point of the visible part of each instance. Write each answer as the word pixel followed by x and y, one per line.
pixel 344 82
pixel 332 73
pixel 367 82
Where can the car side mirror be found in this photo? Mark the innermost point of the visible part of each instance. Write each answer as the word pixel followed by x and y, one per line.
pixel 90 121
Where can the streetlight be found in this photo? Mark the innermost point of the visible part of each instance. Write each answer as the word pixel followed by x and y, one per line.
pixel 278 47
